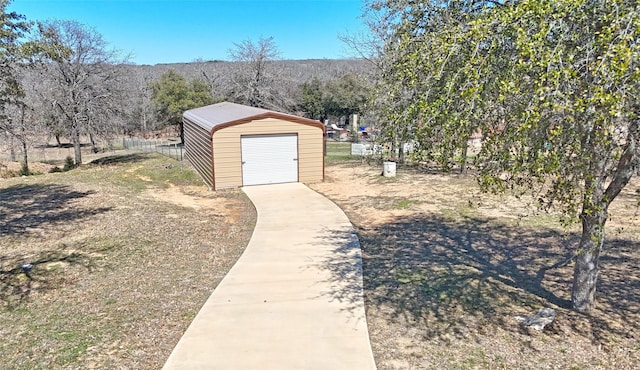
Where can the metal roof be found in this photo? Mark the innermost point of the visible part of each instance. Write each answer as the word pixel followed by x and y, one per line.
pixel 216 116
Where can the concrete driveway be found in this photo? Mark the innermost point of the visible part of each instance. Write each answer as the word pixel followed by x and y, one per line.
pixel 294 298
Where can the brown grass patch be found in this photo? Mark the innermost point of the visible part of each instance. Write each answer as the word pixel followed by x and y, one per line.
pixel 118 273
pixel 447 270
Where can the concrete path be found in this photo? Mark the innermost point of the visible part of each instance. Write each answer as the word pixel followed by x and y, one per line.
pixel 294 298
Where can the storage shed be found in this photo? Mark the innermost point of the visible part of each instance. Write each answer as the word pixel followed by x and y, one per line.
pixel 232 145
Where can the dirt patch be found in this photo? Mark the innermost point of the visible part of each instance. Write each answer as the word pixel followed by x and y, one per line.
pixel 199 198
pixel 447 269
pixel 189 197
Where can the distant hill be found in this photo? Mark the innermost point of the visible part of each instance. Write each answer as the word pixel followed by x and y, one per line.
pixel 292 71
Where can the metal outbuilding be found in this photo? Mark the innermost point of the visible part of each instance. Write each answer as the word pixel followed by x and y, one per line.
pixel 232 145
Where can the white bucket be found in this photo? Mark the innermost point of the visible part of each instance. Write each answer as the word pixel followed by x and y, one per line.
pixel 389 169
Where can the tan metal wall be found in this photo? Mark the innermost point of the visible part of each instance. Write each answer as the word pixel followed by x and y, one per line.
pixel 199 151
pixel 227 153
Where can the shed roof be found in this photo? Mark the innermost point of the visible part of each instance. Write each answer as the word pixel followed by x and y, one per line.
pixel 216 116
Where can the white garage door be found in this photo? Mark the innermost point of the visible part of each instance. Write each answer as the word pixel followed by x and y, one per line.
pixel 269 159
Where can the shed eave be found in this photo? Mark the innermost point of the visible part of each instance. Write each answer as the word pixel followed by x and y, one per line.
pixel 207 125
pixel 274 115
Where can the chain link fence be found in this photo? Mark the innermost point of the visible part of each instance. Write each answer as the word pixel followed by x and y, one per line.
pixel 168 148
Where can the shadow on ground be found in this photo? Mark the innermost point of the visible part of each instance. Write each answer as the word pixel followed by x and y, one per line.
pixel 28 211
pixel 345 266
pixel 453 275
pixel 120 159
pixel 62 145
pixel 27 208
pixel 20 275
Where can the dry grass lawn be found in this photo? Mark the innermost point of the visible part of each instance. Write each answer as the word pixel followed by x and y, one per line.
pixel 125 251
pixel 447 270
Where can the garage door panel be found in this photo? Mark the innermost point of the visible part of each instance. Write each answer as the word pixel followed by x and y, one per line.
pixel 269 159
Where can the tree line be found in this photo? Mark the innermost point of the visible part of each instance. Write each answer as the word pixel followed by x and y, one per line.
pixel 62 80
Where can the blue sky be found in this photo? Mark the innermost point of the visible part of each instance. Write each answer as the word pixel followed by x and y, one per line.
pixel 167 31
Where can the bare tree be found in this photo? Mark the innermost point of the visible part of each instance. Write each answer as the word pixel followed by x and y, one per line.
pixel 14 125
pixel 254 80
pixel 87 90
pixel 23 117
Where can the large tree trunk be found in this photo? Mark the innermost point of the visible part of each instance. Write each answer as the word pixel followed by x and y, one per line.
pixel 12 150
pixel 94 146
pixel 594 216
pixel 25 159
pixel 23 140
pixel 585 273
pixel 75 138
